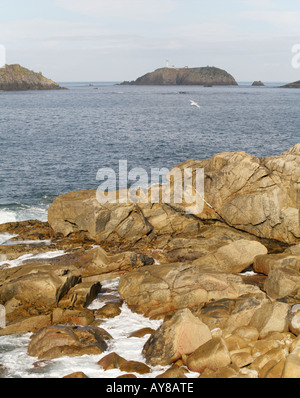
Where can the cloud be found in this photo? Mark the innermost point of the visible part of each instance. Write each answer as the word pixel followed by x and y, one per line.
pixel 285 22
pixel 36 30
pixel 265 4
pixel 132 9
pixel 206 32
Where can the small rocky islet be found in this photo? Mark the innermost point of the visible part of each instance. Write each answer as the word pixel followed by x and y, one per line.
pixel 258 83
pixel 225 283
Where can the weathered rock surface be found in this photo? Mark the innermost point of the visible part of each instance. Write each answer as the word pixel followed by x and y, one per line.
pixel 27 230
pixel 283 278
pixel 36 287
pixel 96 264
pixel 76 317
pixel 135 367
pixel 174 372
pixel 291 368
pixel 182 334
pixel 264 264
pixel 81 295
pixel 234 257
pixel 127 224
pixel 156 290
pixel 213 355
pixel 259 196
pixel 294 325
pixel 111 361
pixel 57 341
pixel 36 295
pixel 27 324
pixel 271 317
pixel 230 314
pixel 109 310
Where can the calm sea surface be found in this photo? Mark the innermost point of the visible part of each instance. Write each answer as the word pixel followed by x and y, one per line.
pixel 54 142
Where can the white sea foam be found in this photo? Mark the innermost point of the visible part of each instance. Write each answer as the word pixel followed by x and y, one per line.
pixel 17 363
pixel 10 242
pixel 20 260
pixel 5 238
pixel 19 212
pixel 7 216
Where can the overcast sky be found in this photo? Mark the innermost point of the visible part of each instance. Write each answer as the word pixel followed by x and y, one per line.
pixel 116 40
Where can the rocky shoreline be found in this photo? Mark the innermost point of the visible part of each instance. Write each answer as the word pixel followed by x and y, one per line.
pixel 292 85
pixel 225 283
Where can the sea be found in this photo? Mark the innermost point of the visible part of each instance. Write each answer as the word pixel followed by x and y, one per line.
pixel 54 142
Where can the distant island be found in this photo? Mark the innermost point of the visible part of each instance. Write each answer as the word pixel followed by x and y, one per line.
pixel 258 83
pixel 292 85
pixel 18 78
pixel 171 76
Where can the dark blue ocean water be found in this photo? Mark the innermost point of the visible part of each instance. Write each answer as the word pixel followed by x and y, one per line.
pixel 52 142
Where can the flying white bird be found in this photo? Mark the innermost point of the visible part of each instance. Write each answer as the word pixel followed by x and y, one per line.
pixel 193 103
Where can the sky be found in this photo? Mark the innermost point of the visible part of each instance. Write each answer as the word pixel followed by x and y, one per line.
pixel 117 40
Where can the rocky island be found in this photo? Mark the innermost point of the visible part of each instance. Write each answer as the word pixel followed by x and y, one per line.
pixel 225 282
pixel 292 85
pixel 18 78
pixel 257 83
pixel 203 76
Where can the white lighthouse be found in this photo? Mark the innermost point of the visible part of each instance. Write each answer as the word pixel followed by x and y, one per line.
pixel 167 63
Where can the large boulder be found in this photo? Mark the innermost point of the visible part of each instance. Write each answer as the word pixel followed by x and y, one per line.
pixel 37 286
pixel 204 244
pixel 58 341
pixel 80 295
pixel 256 195
pixel 260 196
pixel 182 334
pixel 283 272
pixel 284 283
pixel 291 369
pixel 230 314
pixel 271 317
pixel 35 295
pixel 266 263
pixel 213 355
pixel 81 212
pixel 159 289
pixel 235 256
